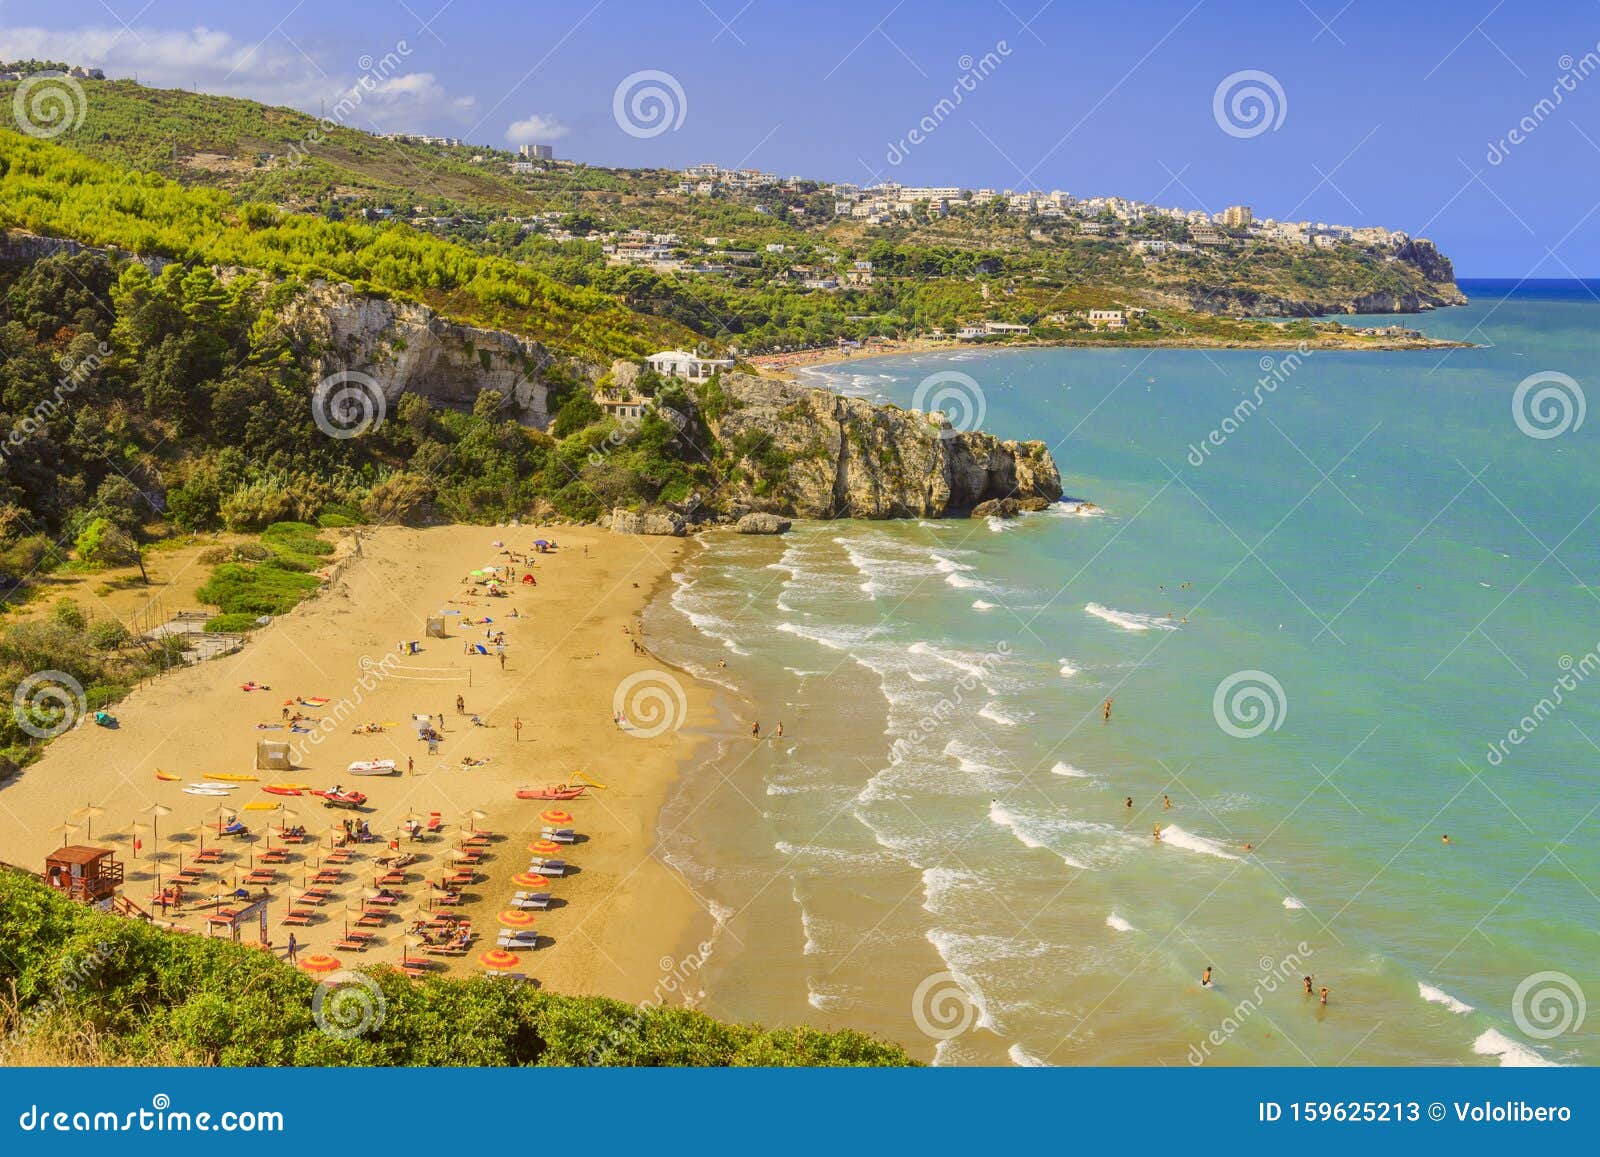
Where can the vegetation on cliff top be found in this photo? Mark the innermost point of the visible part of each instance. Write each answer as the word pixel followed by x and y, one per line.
pixel 84 987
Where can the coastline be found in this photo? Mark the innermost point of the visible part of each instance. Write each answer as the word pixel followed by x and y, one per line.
pixel 618 917
pixel 781 365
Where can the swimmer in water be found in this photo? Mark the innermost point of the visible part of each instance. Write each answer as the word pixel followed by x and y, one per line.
pixel 1324 992
pixel 1444 839
pixel 1158 831
pixel 1307 979
pixel 1205 980
pixel 1105 709
pixel 1166 803
pixel 1128 803
pixel 1249 848
pixel 778 734
pixel 755 730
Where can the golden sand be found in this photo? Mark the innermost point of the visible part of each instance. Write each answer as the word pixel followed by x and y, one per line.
pixel 617 917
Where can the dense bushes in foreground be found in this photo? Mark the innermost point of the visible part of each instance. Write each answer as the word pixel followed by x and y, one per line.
pixel 112 990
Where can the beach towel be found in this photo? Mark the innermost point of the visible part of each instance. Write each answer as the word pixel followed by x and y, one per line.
pixel 477 649
pixel 315 700
pixel 301 730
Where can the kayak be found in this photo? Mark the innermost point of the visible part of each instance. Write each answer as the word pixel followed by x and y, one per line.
pixel 209 786
pixel 235 778
pixel 555 791
pixel 203 791
pixel 283 789
pixel 372 767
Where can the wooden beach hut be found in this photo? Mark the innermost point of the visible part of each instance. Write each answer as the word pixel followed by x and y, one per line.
pixel 91 875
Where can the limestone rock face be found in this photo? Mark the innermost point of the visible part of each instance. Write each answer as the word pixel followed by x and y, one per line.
pixel 1008 507
pixel 664 522
pixel 760 523
pixel 411 348
pixel 813 454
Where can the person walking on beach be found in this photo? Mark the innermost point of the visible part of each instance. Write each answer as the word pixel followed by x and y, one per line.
pixel 411 764
pixel 755 730
pixel 778 734
pixel 461 705
pixel 294 947
pixel 502 659
pixel 1205 980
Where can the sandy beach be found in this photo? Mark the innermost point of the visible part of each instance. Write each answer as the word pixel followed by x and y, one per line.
pixel 567 652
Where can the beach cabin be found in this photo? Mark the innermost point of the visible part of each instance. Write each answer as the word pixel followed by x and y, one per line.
pixel 83 873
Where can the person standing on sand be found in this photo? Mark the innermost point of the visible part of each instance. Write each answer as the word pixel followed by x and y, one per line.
pixel 778 734
pixel 502 660
pixel 461 705
pixel 411 764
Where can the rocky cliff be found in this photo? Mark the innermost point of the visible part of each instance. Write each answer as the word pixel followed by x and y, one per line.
pixel 810 453
pixel 411 348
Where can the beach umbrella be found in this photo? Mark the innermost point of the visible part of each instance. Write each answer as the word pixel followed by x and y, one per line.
pixel 544 847
pixel 156 811
pixel 498 960
pixel 459 855
pixel 516 918
pixel 135 830
pixel 66 831
pixel 529 880
pixel 87 813
pixel 321 962
pixel 556 816
pixel 202 830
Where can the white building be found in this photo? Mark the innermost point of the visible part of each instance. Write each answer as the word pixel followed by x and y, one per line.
pixel 1109 318
pixel 690 367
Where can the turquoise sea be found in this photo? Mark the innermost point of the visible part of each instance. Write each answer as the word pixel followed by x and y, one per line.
pixel 1363 616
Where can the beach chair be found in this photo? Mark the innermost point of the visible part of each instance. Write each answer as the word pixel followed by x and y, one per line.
pixel 518 940
pixel 298 916
pixel 559 835
pixel 338 856
pixel 273 856
pixel 548 867
pixel 312 899
pixel 351 944
pixel 261 877
pixel 415 969
pixel 391 879
pixel 531 900
pixel 435 823
pixel 372 918
pixel 364 937
pixel 447 899
pixel 328 876
pixel 208 856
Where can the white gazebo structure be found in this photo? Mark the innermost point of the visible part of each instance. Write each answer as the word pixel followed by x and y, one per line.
pixel 691 367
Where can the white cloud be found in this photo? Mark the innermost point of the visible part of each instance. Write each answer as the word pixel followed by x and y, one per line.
pixel 275 71
pixel 538 129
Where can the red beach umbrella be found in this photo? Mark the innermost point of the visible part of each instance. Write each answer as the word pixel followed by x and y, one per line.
pixel 544 847
pixel 556 816
pixel 529 880
pixel 516 918
pixel 321 962
pixel 498 960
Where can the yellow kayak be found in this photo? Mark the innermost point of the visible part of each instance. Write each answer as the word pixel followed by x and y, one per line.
pixel 166 777
pixel 235 778
pixel 260 805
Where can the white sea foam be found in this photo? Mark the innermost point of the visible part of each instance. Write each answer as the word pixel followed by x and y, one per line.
pixel 1067 670
pixel 1129 620
pixel 982 605
pixel 1029 832
pixel 1066 769
pixel 991 711
pixel 998 525
pixel 822 996
pixel 1174 836
pixel 1292 904
pixel 1024 1060
pixel 1439 996
pixel 940 885
pixel 1512 1054
pixel 962 583
pixel 833 857
pixel 1118 923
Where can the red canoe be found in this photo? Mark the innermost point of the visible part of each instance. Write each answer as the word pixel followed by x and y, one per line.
pixel 276 789
pixel 556 791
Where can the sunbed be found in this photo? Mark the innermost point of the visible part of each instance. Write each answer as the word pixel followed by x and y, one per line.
pixel 548 867
pixel 531 900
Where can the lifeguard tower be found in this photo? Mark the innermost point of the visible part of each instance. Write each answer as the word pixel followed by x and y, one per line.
pixel 90 875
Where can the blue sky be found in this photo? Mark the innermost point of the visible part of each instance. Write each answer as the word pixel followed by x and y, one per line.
pixel 1398 114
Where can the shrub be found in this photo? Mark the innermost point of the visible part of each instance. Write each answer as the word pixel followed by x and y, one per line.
pixel 235 588
pixel 234 623
pixel 107 634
